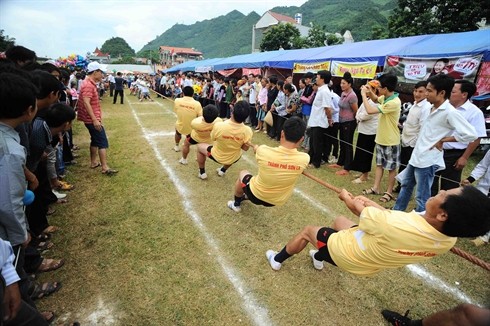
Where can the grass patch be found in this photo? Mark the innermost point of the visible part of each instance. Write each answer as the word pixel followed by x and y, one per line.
pixel 135 257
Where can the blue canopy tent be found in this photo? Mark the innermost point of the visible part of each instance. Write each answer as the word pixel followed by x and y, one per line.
pixel 252 60
pixel 184 66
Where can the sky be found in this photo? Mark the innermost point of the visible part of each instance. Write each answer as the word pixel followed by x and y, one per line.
pixel 54 28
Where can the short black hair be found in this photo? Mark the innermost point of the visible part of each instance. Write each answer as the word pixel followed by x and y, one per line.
pixel 467 214
pixel 289 88
pixel 46 83
pixel 348 77
pixel 210 113
pixel 294 128
pixel 19 53
pixel 241 111
pixel 49 67
pixel 17 94
pixel 325 75
pixel 466 87
pixel 188 91
pixel 58 114
pixel 442 82
pixel 422 83
pixel 389 81
pixel 280 83
pixel 273 80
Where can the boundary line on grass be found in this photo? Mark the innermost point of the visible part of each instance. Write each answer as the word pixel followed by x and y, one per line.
pixel 256 311
pixel 416 270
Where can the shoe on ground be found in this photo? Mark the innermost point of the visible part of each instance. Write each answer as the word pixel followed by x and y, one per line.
pixel 183 161
pixel 318 264
pixel 63 185
pixel 177 148
pixel 358 181
pixel 58 194
pixel 270 254
pixel 220 173
pixel 395 318
pixel 231 205
pixel 332 159
pixel 203 176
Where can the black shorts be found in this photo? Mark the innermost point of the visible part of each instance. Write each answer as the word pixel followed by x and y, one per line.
pixel 321 243
pixel 211 156
pixel 250 195
pixel 191 140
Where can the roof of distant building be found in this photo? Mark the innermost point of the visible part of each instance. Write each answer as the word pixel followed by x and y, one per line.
pixel 282 18
pixel 175 49
pixel 99 53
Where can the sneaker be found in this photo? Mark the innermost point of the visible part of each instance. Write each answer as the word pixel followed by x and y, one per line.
pixel 332 159
pixel 231 205
pixel 270 254
pixel 395 318
pixel 220 173
pixel 177 148
pixel 183 161
pixel 203 176
pixel 318 264
pixel 58 194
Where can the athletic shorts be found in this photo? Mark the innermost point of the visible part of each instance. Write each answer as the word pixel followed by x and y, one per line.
pixel 249 193
pixel 211 156
pixel 191 140
pixel 321 243
pixel 388 156
pixel 97 138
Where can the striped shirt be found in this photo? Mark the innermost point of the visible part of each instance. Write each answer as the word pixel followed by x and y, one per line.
pixel 89 90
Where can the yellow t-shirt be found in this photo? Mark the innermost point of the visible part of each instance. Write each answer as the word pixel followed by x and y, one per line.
pixel 386 239
pixel 228 139
pixel 197 89
pixel 388 133
pixel 186 109
pixel 279 168
pixel 201 130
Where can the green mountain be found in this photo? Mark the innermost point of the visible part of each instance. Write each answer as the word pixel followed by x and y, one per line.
pixel 231 34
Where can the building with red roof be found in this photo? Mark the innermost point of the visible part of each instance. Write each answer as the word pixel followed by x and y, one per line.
pixel 173 55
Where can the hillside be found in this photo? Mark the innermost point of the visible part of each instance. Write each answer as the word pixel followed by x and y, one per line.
pixel 231 34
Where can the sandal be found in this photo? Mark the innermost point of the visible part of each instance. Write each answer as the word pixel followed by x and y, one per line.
pixel 386 197
pixel 45 245
pixel 342 172
pixel 50 265
pixel 63 185
pixel 50 211
pixel 95 166
pixel 44 290
pixel 110 172
pixel 358 181
pixel 51 229
pixel 48 316
pixel 370 191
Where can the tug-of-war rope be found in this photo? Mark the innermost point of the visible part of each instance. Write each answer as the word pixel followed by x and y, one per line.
pixel 455 250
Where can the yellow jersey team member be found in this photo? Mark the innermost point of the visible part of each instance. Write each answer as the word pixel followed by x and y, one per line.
pixel 229 138
pixel 186 109
pixel 279 168
pixel 390 239
pixel 201 130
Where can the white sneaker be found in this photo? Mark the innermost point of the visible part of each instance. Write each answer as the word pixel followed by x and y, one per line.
pixel 58 195
pixel 231 205
pixel 220 173
pixel 177 148
pixel 183 161
pixel 270 254
pixel 318 264
pixel 203 176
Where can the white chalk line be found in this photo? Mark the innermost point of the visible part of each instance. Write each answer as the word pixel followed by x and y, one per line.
pixel 256 311
pixel 416 270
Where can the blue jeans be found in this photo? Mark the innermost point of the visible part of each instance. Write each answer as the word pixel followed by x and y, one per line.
pixel 423 178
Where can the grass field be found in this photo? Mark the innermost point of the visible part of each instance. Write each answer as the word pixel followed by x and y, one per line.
pixel 155 245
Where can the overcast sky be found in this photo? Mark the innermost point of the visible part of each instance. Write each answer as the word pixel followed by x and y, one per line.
pixel 56 28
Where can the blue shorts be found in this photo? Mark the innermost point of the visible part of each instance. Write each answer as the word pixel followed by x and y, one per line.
pixel 97 138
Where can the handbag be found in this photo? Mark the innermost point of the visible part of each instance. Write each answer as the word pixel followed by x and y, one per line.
pixel 268 118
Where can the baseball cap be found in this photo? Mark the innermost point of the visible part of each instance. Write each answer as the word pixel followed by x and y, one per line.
pixel 93 66
pixel 309 74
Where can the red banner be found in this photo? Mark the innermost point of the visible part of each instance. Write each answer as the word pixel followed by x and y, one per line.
pixel 483 81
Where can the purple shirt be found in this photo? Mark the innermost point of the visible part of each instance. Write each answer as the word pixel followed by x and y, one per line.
pixel 346 112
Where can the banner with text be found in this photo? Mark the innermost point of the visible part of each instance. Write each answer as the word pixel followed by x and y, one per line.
pixel 413 70
pixel 364 70
pixel 483 82
pixel 302 68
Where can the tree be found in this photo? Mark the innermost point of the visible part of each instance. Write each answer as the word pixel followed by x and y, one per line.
pixel 116 47
pixel 333 39
pixel 316 37
pixel 6 41
pixel 284 36
pixel 153 55
pixel 413 17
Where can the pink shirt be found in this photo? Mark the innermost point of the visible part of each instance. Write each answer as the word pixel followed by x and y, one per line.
pixel 263 96
pixel 89 90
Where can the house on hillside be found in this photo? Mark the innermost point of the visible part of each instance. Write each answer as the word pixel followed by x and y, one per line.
pixel 270 19
pixel 99 56
pixel 172 55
